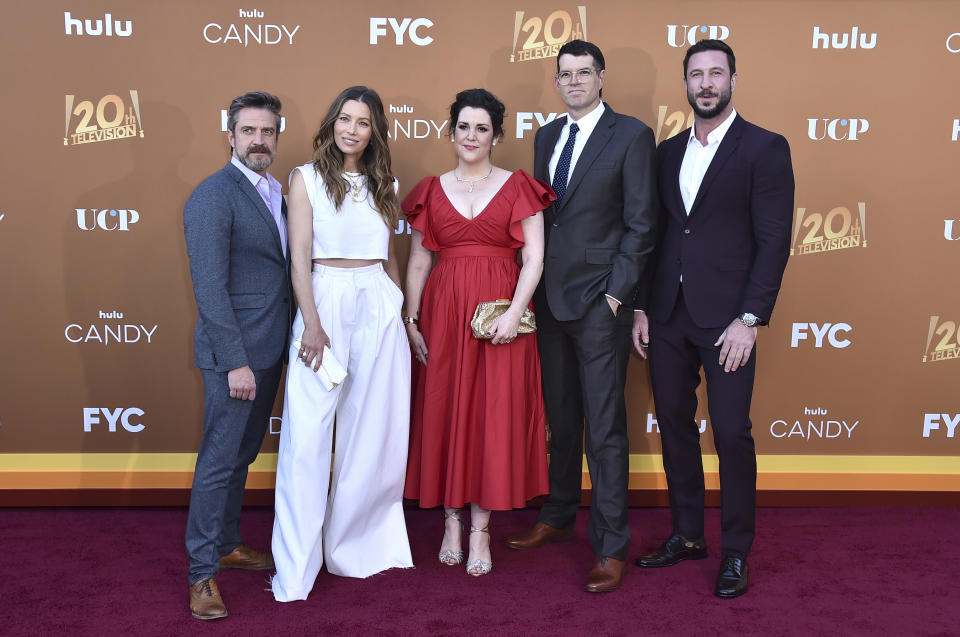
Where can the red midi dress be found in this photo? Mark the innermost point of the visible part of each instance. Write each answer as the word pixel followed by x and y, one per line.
pixel 477 428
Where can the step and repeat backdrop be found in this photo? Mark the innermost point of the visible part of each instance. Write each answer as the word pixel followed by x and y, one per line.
pixel 115 111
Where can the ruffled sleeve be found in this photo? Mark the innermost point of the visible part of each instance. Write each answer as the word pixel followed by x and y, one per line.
pixel 415 206
pixel 532 196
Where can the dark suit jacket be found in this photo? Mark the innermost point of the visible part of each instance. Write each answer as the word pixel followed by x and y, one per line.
pixel 600 235
pixel 240 276
pixel 733 247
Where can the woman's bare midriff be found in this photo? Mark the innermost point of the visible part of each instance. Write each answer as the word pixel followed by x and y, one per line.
pixel 347 263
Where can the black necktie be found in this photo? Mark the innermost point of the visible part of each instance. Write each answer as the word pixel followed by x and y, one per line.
pixel 563 166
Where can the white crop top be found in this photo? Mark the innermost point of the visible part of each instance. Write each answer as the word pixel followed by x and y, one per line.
pixel 356 231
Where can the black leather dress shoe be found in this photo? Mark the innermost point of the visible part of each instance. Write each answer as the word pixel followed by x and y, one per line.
pixel 733 578
pixel 676 549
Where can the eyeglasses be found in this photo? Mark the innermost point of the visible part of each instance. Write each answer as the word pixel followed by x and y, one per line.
pixel 565 77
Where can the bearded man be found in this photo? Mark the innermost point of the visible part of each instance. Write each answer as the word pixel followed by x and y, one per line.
pixel 726 204
pixel 236 232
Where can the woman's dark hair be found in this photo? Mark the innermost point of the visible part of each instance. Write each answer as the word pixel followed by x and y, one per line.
pixel 478 98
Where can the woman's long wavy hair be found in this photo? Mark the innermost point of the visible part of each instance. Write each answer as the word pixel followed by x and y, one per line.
pixel 374 163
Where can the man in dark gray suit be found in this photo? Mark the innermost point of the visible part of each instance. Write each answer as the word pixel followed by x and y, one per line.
pixel 235 227
pixel 599 233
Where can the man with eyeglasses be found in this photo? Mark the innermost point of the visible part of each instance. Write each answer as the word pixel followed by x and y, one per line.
pixel 598 233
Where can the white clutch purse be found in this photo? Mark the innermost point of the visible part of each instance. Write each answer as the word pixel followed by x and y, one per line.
pixel 331 372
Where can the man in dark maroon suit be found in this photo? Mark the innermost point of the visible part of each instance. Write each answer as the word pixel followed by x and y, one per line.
pixel 726 206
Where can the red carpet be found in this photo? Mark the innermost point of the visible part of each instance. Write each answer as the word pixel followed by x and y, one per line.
pixel 871 571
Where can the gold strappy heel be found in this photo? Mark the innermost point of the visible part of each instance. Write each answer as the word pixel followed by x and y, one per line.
pixel 478 564
pixel 449 557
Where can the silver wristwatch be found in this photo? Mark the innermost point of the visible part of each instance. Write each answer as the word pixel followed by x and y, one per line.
pixel 748 319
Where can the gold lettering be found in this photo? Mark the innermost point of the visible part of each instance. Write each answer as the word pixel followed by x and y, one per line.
pixel 537 53
pixel 944 355
pixel 828 245
pixel 104 134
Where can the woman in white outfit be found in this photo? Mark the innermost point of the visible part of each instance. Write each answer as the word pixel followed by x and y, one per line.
pixel 342 211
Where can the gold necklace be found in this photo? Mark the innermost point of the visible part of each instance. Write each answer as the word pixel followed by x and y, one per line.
pixel 356 186
pixel 472 181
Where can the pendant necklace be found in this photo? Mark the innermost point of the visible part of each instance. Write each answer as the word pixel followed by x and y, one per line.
pixel 356 186
pixel 472 181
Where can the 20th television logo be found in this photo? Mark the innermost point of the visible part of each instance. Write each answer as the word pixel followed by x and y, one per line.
pixel 545 36
pixel 838 229
pixel 676 122
pixel 943 341
pixel 110 118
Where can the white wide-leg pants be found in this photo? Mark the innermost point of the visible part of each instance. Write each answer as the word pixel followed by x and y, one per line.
pixel 359 528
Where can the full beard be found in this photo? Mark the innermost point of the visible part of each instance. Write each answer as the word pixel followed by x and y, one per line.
pixel 257 165
pixel 723 99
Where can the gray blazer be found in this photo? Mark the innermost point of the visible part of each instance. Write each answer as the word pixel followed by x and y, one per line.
pixel 240 277
pixel 599 237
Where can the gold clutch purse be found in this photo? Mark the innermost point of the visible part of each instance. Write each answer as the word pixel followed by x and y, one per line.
pixel 489 311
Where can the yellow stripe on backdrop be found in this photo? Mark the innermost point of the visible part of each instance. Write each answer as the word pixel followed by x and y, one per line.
pixel 175 470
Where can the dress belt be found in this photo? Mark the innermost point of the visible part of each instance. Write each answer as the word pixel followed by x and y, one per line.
pixel 478 251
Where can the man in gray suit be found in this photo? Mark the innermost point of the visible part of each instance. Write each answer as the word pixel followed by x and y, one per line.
pixel 599 233
pixel 235 227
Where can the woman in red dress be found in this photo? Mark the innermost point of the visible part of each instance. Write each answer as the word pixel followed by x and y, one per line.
pixel 477 432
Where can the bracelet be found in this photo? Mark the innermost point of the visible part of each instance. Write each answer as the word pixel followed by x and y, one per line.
pixel 409 320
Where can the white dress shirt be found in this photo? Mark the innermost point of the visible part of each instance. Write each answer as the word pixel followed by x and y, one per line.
pixel 586 123
pixel 272 194
pixel 697 159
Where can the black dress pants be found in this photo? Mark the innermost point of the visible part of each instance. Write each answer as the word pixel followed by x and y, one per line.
pixel 678 349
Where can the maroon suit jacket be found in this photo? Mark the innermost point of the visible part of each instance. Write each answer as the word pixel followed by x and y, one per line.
pixel 733 246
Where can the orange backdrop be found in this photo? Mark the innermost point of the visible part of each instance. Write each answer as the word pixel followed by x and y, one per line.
pixel 115 113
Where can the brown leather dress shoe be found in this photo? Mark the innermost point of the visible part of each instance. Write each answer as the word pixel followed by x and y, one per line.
pixel 246 558
pixel 536 537
pixel 606 575
pixel 205 600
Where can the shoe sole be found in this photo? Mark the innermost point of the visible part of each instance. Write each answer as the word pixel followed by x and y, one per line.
pixel 549 541
pixel 731 595
pixel 673 563
pixel 601 590
pixel 206 617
